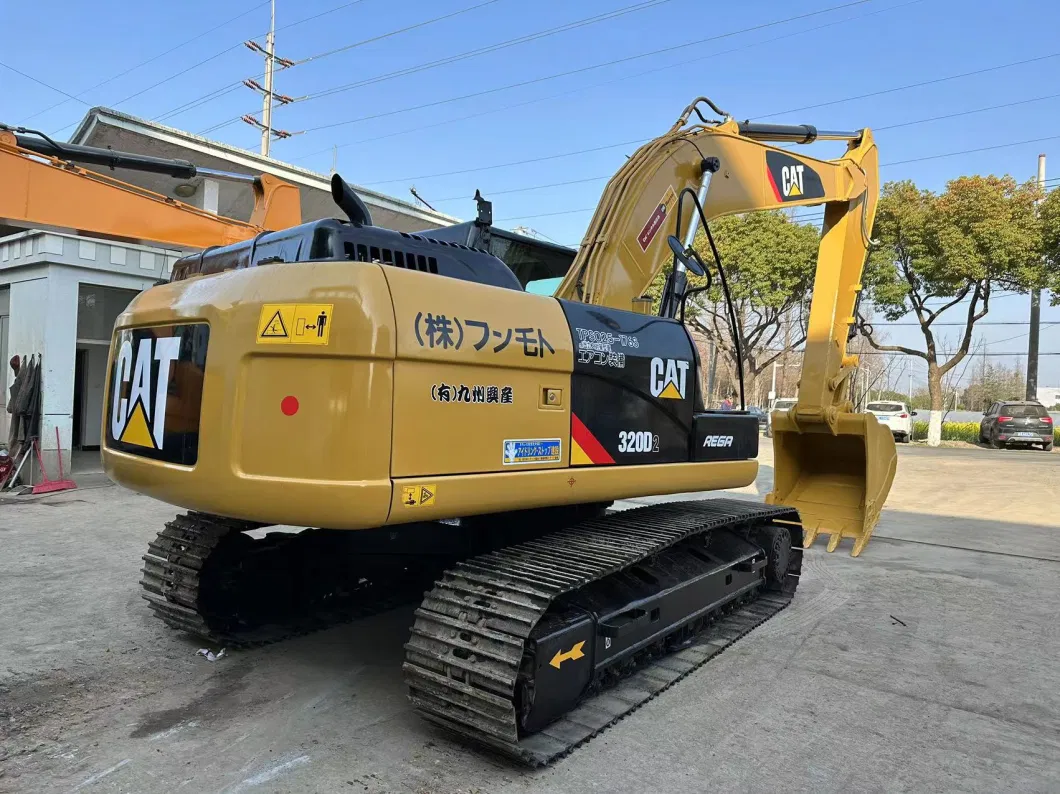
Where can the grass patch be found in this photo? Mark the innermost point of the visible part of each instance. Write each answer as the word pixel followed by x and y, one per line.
pixel 961 431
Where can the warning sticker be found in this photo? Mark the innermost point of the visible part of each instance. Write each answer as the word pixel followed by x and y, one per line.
pixel 418 495
pixel 295 324
pixel 657 218
pixel 531 450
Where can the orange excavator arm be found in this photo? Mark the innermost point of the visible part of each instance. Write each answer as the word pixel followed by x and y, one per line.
pixel 41 187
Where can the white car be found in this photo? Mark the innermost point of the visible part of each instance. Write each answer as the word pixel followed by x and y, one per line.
pixel 896 416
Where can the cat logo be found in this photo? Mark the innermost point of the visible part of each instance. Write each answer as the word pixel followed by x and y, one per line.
pixel 668 378
pixel 791 180
pixel 140 418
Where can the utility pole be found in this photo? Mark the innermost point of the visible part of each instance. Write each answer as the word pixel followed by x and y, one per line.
pixel 910 388
pixel 269 98
pixel 1036 314
pixel 784 359
pixel 270 70
pixel 712 373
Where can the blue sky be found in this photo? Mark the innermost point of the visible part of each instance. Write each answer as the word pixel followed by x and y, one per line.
pixel 821 59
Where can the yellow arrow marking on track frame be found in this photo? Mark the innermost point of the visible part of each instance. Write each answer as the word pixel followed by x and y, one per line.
pixel 573 653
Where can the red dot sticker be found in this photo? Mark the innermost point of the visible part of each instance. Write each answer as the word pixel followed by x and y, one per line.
pixel 289 405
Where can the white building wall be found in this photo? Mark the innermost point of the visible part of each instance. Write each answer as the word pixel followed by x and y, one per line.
pixel 43 321
pixel 1049 395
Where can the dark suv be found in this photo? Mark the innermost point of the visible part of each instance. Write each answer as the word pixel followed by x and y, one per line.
pixel 1010 423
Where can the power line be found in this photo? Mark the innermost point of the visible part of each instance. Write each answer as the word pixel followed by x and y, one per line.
pixel 921 84
pixel 453 58
pixel 205 99
pixel 152 59
pixel 318 56
pixel 952 353
pixel 973 151
pixel 228 88
pixel 406 29
pixel 580 70
pixel 491 48
pixel 815 215
pixel 512 163
pixel 939 354
pixel 493 193
pixel 40 82
pixel 218 55
pixel 624 78
pixel 812 215
pixel 546 214
pixel 645 140
pixel 966 112
pixel 962 324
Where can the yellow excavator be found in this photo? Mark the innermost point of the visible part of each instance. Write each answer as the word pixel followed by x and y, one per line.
pixel 439 427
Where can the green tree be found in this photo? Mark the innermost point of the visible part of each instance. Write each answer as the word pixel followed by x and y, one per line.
pixel 889 395
pixel 950 251
pixel 995 382
pixel 1049 214
pixel 770 263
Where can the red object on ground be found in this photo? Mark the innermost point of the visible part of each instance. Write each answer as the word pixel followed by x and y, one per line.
pixel 62 484
pixel 289 405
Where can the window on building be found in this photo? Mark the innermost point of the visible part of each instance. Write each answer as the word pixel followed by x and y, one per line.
pixel 97 309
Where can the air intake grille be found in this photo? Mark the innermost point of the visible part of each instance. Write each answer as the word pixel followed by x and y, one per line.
pixel 385 256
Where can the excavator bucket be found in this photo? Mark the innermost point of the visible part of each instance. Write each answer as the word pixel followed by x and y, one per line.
pixel 838 481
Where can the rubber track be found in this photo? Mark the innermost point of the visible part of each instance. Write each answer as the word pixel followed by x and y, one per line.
pixel 463 659
pixel 172 568
pixel 172 583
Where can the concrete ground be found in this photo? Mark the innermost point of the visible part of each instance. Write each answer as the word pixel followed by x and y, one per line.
pixel 928 664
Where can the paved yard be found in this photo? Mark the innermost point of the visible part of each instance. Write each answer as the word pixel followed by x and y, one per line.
pixel 927 664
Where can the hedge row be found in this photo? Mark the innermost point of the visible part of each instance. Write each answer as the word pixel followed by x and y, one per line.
pixel 960 431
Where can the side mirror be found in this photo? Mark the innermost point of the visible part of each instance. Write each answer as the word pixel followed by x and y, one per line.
pixel 912 413
pixel 688 258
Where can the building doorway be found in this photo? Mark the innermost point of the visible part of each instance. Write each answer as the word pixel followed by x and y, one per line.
pixel 97 309
pixel 79 398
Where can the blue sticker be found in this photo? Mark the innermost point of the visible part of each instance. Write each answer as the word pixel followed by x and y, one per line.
pixel 532 450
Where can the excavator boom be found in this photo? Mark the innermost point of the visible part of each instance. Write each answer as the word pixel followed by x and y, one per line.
pixel 42 188
pixel 834 465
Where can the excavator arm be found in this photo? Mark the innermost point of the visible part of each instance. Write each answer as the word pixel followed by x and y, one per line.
pixel 834 465
pixel 42 188
pixel 737 171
